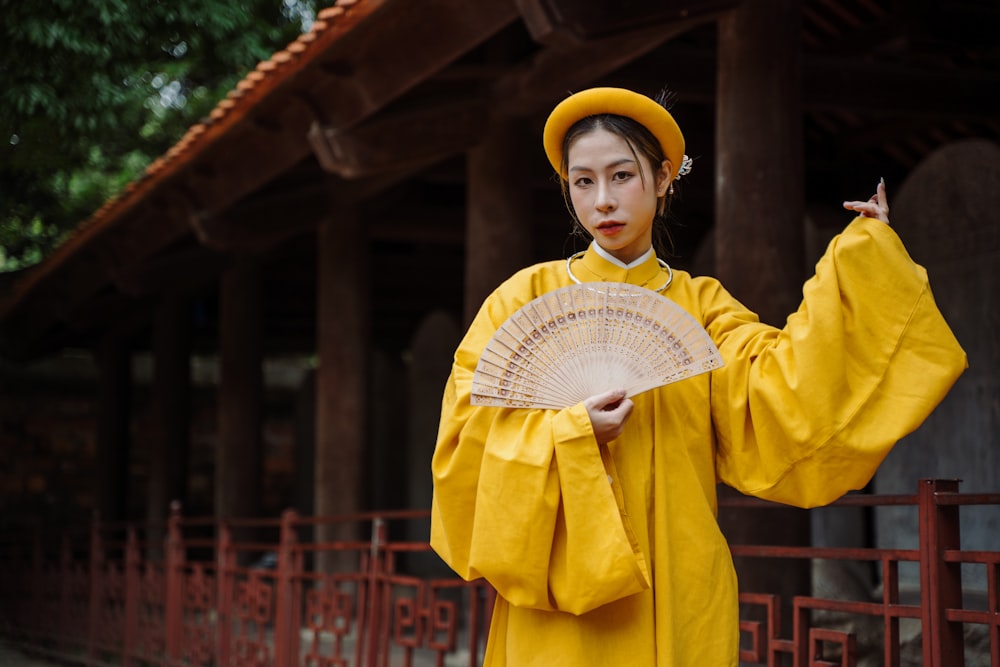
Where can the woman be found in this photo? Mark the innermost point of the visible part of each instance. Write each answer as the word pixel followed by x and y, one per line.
pixel 596 524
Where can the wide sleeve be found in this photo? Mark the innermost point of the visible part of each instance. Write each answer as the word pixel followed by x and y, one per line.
pixel 806 413
pixel 522 497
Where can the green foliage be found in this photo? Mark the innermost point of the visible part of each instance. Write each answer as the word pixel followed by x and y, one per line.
pixel 91 92
pixel 24 242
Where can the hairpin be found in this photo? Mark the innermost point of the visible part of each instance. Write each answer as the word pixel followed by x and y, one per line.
pixel 685 169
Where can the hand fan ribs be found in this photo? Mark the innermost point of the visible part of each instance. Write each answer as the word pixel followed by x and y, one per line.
pixel 584 339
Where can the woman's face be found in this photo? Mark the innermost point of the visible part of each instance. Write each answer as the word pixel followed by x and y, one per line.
pixel 608 193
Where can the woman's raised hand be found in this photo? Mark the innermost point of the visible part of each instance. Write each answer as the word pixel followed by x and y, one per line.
pixel 876 207
pixel 608 413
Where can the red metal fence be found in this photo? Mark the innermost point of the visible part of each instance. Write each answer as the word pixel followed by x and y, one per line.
pixel 199 597
pixel 273 593
pixel 958 624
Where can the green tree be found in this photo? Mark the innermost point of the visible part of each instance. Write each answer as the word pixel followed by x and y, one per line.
pixel 91 92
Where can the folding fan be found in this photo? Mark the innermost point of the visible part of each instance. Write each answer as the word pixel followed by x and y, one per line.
pixel 587 338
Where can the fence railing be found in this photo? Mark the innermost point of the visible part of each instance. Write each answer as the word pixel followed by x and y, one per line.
pixel 956 624
pixel 361 591
pixel 242 593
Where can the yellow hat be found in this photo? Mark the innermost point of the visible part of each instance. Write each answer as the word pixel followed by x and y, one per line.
pixel 619 102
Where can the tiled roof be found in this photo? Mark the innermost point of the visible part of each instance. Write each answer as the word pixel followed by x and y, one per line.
pixel 331 24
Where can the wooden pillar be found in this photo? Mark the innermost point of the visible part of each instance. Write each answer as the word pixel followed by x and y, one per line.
pixel 341 377
pixel 241 392
pixel 433 350
pixel 305 446
pixel 114 361
pixel 759 196
pixel 759 228
pixel 169 437
pixel 498 226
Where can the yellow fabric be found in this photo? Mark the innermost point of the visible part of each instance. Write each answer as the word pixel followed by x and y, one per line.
pixel 612 555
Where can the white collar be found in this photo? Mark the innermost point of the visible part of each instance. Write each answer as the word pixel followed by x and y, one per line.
pixel 617 262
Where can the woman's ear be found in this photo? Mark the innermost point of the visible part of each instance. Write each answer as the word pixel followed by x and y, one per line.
pixel 663 177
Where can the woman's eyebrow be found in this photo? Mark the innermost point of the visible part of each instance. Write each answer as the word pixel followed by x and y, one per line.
pixel 610 165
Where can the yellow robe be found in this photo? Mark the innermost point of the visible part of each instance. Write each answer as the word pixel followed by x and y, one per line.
pixel 613 555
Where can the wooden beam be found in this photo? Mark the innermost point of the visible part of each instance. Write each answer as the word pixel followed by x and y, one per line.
pixel 879 88
pixel 554 22
pixel 182 270
pixel 554 72
pixel 262 222
pixel 367 68
pixel 833 84
pixel 407 139
pixel 156 223
pixel 257 226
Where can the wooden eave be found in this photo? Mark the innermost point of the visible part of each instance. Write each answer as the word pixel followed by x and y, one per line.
pixel 386 88
pixel 339 73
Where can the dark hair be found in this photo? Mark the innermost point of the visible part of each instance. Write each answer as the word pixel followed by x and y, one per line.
pixel 639 140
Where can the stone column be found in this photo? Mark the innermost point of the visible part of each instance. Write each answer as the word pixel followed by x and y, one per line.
pixel 759 237
pixel 114 362
pixel 341 377
pixel 498 227
pixel 170 427
pixel 241 391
